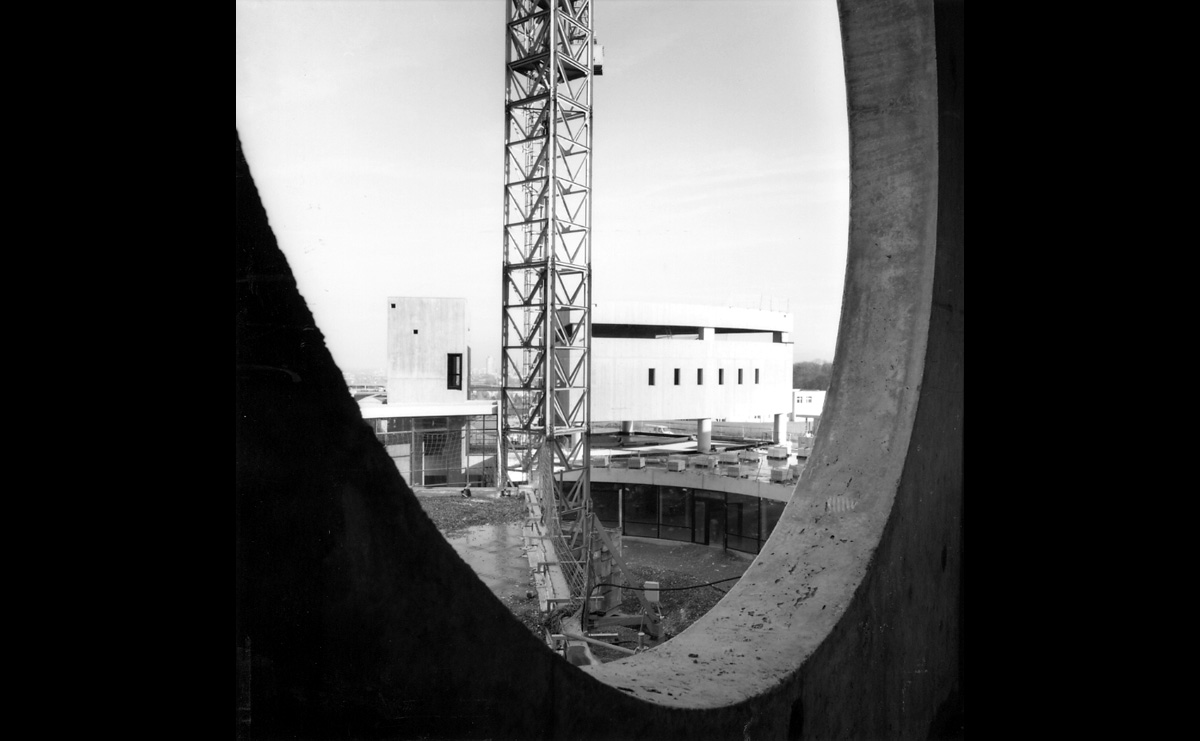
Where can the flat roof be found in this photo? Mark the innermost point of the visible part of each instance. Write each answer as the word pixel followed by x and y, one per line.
pixel 445 409
pixel 691 315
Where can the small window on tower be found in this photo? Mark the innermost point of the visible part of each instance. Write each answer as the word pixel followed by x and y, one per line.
pixel 651 376
pixel 454 371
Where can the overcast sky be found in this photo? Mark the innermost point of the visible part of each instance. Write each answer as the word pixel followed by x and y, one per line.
pixel 374 132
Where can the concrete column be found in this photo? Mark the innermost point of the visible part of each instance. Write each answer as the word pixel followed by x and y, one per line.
pixel 627 427
pixel 780 429
pixel 704 435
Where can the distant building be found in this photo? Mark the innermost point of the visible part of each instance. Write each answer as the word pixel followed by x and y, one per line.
pixel 434 434
pixel 650 361
pixel 662 361
pixel 807 406
pixel 428 356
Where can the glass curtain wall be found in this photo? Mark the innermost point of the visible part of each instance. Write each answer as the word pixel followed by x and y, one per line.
pixel 441 451
pixel 668 512
pixel 675 514
pixel 605 503
pixel 640 504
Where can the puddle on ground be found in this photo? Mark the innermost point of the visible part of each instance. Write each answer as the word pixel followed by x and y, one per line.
pixel 497 554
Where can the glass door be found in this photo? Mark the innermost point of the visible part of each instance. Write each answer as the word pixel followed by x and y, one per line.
pixel 699 522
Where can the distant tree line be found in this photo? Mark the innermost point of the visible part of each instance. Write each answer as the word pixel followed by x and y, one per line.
pixel 812 375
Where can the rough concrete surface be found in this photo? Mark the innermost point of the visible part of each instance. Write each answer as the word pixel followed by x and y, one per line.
pixel 363 622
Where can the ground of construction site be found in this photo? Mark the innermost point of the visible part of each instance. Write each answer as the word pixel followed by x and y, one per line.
pixel 485 529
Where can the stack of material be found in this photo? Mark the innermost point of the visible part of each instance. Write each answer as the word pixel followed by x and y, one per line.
pixel 548 577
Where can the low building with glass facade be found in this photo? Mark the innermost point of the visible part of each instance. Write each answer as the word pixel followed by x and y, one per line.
pixel 433 431
pixel 735 509
pixel 439 444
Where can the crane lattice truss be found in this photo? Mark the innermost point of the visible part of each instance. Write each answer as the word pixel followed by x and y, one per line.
pixel 546 335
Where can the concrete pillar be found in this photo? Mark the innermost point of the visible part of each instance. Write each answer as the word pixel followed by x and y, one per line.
pixel 704 435
pixel 627 427
pixel 780 429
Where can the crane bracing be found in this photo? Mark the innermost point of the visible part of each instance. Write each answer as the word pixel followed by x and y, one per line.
pixel 545 402
pixel 546 294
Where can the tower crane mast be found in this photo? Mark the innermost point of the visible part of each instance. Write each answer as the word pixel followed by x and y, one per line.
pixel 545 403
pixel 551 60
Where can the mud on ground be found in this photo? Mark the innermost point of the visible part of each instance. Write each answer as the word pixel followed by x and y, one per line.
pixel 452 513
pixel 670 564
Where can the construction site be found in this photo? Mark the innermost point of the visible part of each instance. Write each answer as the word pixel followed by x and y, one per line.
pixel 553 385
pixel 841 616
pixel 613 420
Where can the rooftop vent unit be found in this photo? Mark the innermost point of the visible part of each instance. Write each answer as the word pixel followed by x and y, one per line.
pixel 599 461
pixel 676 465
pixel 730 458
pixel 780 474
pixel 637 462
pixel 779 451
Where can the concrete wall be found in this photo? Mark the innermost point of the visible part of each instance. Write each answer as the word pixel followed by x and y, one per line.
pixel 355 619
pixel 621 388
pixel 417 361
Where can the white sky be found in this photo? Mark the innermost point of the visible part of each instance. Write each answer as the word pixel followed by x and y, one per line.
pixel 374 132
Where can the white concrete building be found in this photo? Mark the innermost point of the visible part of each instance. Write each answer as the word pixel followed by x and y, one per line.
pixel 650 361
pixel 807 406
pixel 434 434
pixel 653 361
pixel 428 356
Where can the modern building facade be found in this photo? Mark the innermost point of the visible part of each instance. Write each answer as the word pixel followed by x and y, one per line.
pixel 433 432
pixel 649 362
pixel 672 361
pixel 703 516
pixel 807 406
pixel 700 500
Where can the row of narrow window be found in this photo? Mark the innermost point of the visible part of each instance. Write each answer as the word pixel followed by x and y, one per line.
pixel 700 376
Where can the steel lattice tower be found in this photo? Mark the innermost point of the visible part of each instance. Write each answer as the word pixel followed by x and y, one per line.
pixel 545 407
